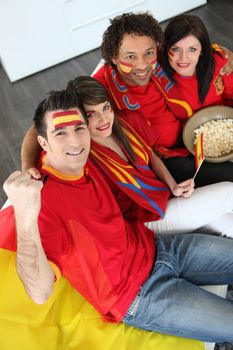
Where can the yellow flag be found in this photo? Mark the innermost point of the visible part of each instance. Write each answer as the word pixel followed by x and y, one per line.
pixel 199 152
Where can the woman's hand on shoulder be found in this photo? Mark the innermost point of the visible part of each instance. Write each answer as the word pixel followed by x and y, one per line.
pixel 228 68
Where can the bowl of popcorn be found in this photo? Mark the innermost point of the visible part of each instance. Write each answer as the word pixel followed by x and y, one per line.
pixel 216 123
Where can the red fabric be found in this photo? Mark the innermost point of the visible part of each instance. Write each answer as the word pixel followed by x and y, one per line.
pixel 144 197
pixel 139 123
pixel 150 103
pixel 84 234
pixel 182 96
pixel 7 229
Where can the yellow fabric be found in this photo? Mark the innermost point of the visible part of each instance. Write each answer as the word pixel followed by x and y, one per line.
pixel 66 321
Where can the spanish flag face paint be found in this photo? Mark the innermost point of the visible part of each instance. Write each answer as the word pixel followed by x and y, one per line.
pixel 66 118
pixel 153 64
pixel 170 55
pixel 67 144
pixel 125 67
pixel 136 59
pixel 184 55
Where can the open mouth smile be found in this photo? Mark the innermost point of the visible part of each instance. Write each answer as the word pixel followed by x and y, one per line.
pixel 75 153
pixel 104 127
pixel 142 74
pixel 183 65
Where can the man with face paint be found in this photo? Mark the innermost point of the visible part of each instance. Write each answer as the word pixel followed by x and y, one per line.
pixel 131 58
pixel 140 88
pixel 70 224
pixel 127 75
pixel 132 76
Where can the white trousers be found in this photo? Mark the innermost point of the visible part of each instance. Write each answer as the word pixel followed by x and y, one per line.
pixel 209 206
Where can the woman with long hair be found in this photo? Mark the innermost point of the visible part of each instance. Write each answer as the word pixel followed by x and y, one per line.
pixel 189 81
pixel 143 187
pixel 193 67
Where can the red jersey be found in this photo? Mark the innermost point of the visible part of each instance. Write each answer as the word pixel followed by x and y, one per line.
pixel 182 95
pixel 84 234
pixel 148 102
pixel 138 192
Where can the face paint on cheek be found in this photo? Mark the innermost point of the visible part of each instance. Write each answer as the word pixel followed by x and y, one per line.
pixel 153 63
pixel 125 67
pixel 170 55
pixel 66 118
pixel 89 113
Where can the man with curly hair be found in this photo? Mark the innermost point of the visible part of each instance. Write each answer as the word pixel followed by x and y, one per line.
pixel 132 75
pixel 129 48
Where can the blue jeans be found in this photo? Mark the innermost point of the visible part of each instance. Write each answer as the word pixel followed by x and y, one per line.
pixel 171 301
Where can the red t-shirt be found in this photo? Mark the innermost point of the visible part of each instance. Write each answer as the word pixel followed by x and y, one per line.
pixel 140 195
pixel 84 234
pixel 165 126
pixel 162 120
pixel 185 89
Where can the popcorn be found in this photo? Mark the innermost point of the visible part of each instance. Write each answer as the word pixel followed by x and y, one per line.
pixel 218 137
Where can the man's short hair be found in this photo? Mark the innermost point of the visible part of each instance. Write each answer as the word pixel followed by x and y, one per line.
pixel 143 24
pixel 56 100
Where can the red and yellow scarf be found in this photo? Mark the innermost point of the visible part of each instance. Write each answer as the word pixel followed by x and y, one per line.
pixel 134 178
pixel 124 100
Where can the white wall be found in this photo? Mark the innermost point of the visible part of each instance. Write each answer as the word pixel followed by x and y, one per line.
pixel 165 9
pixel 36 34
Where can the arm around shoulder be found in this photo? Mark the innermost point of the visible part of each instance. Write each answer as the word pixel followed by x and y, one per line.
pixel 30 150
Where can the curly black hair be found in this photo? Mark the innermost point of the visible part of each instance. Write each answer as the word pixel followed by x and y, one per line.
pixel 128 23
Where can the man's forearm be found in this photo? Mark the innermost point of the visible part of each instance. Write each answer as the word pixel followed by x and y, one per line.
pixel 162 172
pixel 31 263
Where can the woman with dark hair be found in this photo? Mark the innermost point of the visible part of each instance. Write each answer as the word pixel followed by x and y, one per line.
pixel 193 68
pixel 189 81
pixel 138 84
pixel 138 178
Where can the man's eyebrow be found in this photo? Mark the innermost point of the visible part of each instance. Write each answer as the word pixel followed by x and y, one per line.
pixel 149 48
pixel 188 46
pixel 130 51
pixel 57 129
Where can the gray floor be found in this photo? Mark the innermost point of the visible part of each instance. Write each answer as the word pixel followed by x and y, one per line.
pixel 18 100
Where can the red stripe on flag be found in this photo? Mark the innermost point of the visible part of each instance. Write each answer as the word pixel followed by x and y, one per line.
pixel 64 113
pixel 199 151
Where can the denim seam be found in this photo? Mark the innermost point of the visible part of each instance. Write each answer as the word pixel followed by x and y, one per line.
pixel 170 266
pixel 135 305
pixel 134 309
